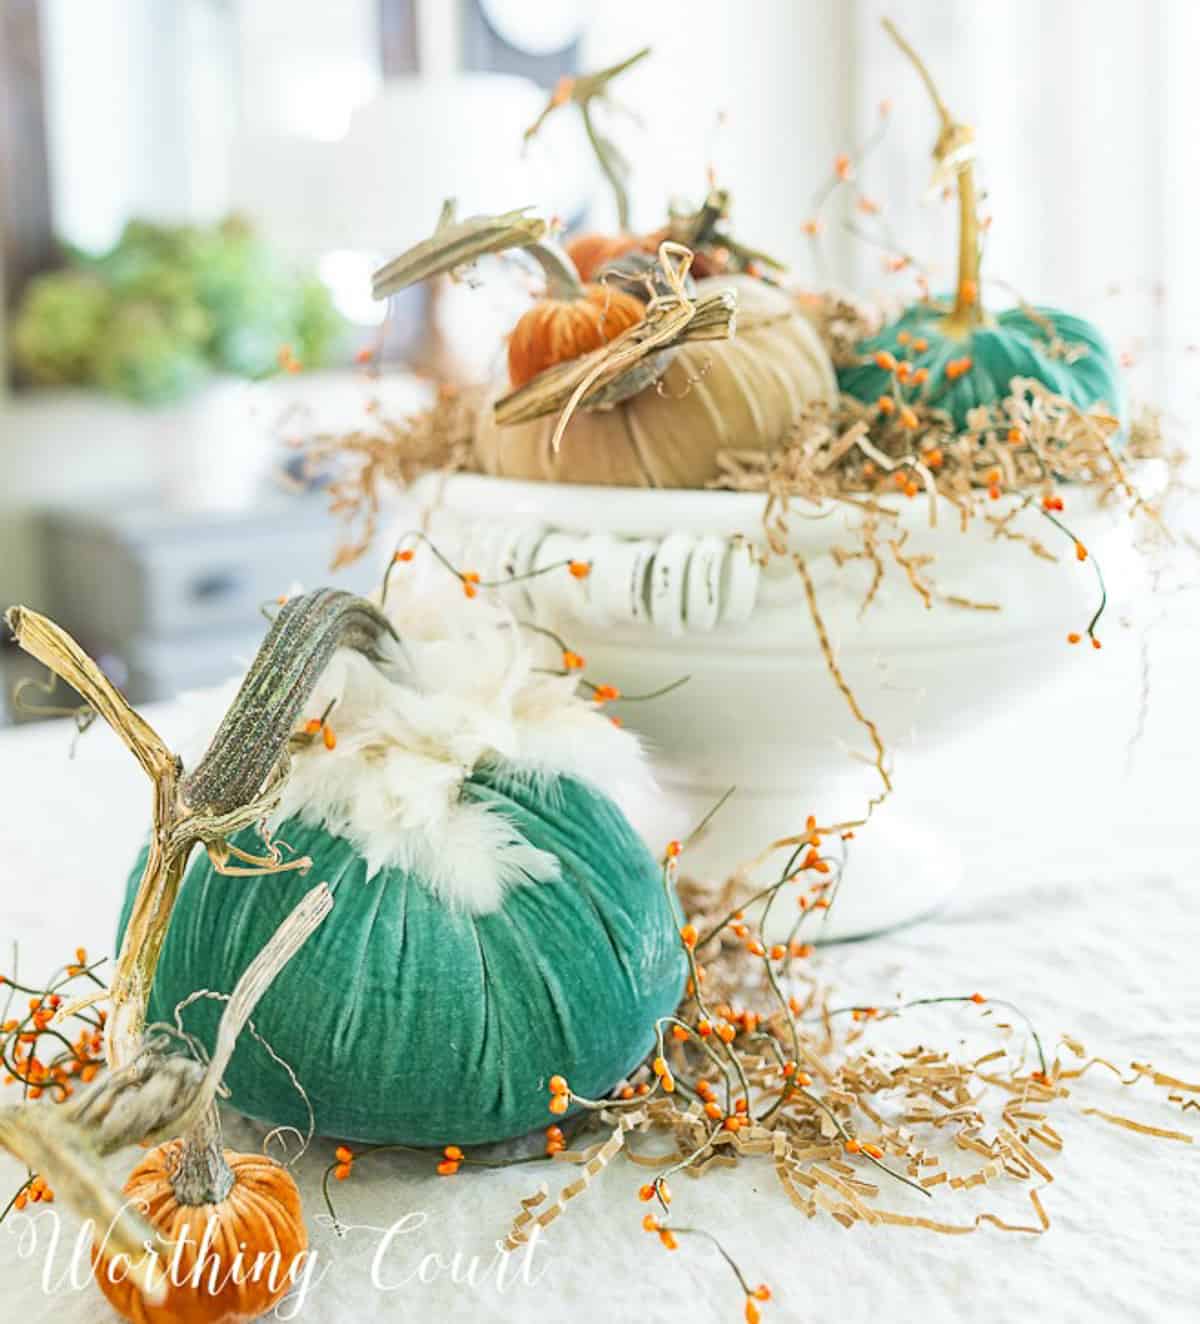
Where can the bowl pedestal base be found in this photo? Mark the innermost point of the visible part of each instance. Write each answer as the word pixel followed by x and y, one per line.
pixel 899 869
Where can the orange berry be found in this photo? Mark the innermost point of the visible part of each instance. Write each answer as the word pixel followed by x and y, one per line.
pixel 689 935
pixel 1074 637
pixel 874 1151
pixel 968 291
pixel 1052 503
pixel 726 1033
pixel 704 1029
pixel 405 554
pixel 843 167
pixel 885 360
pixel 714 1111
pixel 558 1104
pixel 762 1292
pixel 813 226
pixel 1015 436
pixel 646 1193
pixel 557 1085
pixel 903 338
pixel 453 1152
pixel 605 693
pixel 778 952
pixel 755 948
pixel 668 1083
pixel 920 344
pixel 329 738
pixel 1095 642
pixel 741 1106
pixel 312 726
pixel 903 370
pixel 920 377
pixel 1081 552
pixel 908 419
pixel 659 1066
pixel 667 1237
pixel 342 1171
pixel 753 1315
pixel 650 1223
pixel 853 1146
pixel 733 1123
pixel 885 404
pixel 678 1032
pixel 447 1168
pixel 580 569
pixel 978 999
pixel 554 1133
pixel 343 1154
pixel 572 661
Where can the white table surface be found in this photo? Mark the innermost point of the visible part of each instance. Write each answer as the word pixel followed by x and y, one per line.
pixel 1082 905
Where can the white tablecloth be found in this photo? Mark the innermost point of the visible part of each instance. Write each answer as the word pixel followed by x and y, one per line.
pixel 1082 905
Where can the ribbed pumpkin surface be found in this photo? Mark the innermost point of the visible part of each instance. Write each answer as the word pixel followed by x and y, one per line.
pixel 260 1215
pixel 411 1023
pixel 558 330
pixel 744 393
pixel 1016 346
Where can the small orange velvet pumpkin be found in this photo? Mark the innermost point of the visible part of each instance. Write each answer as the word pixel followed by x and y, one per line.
pixel 561 328
pixel 259 1219
pixel 590 251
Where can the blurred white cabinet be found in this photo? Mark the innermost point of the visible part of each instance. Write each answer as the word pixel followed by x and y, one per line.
pixel 173 601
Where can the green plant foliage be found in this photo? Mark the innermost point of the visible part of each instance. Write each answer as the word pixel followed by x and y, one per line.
pixel 167 307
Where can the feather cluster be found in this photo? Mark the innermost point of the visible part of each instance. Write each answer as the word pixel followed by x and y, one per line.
pixel 467 688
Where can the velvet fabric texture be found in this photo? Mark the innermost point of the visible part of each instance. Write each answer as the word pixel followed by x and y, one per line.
pixel 1016 345
pixel 743 394
pixel 407 1021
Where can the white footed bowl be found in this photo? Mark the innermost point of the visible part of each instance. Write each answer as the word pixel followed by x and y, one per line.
pixel 676 589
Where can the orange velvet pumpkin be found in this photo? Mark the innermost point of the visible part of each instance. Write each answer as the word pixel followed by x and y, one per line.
pixel 555 330
pixel 592 250
pixel 259 1220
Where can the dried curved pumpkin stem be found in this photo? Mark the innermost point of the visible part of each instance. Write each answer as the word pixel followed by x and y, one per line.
pixel 456 244
pixel 236 784
pixel 152 1099
pixel 954 153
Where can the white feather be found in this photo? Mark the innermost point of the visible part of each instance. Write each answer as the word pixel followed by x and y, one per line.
pixel 461 692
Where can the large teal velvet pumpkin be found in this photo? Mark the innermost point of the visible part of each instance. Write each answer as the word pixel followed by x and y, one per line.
pixel 1014 344
pixel 409 1022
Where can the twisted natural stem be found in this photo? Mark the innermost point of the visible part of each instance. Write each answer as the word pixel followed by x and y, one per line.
pixel 582 92
pixel 954 151
pixel 236 784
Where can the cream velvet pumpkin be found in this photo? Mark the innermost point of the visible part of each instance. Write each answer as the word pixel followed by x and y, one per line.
pixel 742 393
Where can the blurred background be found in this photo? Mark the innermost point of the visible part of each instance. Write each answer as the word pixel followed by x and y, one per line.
pixel 193 195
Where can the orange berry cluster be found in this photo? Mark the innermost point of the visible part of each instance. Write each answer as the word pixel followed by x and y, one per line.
pixel 37 1192
pixel 452 1158
pixel 317 726
pixel 82 1059
pixel 560 1095
pixel 345 1161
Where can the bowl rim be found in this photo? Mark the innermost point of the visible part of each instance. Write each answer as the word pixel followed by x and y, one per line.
pixel 647 512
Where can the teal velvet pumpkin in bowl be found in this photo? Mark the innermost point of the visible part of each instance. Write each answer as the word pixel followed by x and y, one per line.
pixel 496 919
pixel 411 1021
pixel 953 354
pixel 974 368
